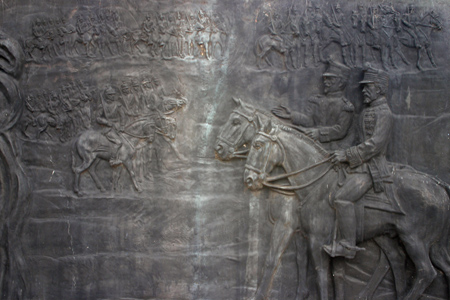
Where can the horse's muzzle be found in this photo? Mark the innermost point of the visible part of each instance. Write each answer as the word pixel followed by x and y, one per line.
pixel 222 151
pixel 252 180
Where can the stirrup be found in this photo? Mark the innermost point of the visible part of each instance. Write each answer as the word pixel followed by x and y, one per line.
pixel 114 162
pixel 342 248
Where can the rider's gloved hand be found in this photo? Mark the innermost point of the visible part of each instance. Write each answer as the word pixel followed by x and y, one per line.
pixel 282 112
pixel 338 156
pixel 312 133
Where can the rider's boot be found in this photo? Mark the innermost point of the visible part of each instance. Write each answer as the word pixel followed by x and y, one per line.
pixel 115 161
pixel 346 222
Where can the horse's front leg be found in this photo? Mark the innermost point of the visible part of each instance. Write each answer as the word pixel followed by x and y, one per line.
pixel 419 55
pixel 339 277
pixel 281 236
pixel 430 55
pixel 302 266
pixel 117 172
pixel 321 262
pixel 129 166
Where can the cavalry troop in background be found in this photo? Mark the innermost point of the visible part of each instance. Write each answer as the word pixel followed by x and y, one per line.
pixel 74 107
pixel 102 33
pixel 58 114
pixel 378 33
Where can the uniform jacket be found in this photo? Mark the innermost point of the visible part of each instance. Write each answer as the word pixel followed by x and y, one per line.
pixel 370 155
pixel 331 114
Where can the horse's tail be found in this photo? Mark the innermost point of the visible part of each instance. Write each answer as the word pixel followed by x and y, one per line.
pixel 439 252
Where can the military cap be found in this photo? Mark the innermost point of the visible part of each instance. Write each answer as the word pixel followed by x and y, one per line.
pixel 110 91
pixel 336 69
pixel 124 85
pixel 135 82
pixel 372 75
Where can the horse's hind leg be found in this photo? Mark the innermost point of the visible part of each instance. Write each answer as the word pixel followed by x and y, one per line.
pixel 396 259
pixel 424 270
pixel 87 161
pixel 441 259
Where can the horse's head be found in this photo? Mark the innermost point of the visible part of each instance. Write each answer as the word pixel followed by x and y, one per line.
pixel 435 22
pixel 266 152
pixel 239 130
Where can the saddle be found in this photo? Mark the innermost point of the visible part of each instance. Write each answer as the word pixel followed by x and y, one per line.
pixel 385 201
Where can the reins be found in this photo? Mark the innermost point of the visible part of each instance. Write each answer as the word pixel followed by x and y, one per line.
pixel 298 187
pixel 287 188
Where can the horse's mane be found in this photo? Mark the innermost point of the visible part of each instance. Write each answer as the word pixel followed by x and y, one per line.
pixel 266 113
pixel 307 139
pixel 283 126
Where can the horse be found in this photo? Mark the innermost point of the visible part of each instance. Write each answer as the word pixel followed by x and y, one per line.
pixel 92 146
pixel 233 142
pixel 423 32
pixel 268 43
pixel 384 37
pixel 314 179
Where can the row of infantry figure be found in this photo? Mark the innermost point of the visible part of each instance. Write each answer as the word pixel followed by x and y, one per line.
pixel 103 34
pixel 382 31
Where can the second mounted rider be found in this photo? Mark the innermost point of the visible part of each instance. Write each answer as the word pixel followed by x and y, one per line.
pixel 326 118
pixel 112 115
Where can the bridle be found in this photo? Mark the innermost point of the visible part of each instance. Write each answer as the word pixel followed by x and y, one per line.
pixel 267 179
pixel 274 140
pixel 251 122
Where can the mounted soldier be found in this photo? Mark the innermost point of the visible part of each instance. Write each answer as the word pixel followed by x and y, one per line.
pixel 367 162
pixel 410 20
pixel 327 117
pixel 113 116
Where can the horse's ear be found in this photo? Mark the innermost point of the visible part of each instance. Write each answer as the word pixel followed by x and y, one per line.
pixel 258 121
pixel 237 101
pixel 269 127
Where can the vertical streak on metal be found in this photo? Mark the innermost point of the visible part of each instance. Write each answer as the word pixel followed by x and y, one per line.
pixel 251 272
pixel 197 248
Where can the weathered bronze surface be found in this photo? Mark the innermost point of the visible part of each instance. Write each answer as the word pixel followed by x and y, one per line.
pixel 238 149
